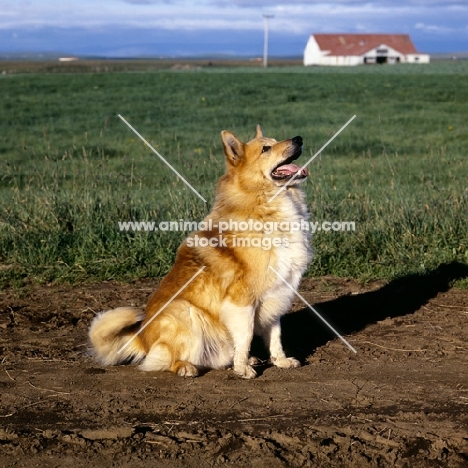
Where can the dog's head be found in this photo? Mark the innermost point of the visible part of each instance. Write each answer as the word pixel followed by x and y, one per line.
pixel 264 161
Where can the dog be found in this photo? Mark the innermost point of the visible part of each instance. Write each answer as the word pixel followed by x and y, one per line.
pixel 220 290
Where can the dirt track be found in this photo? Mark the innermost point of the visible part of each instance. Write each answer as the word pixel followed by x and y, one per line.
pixel 401 401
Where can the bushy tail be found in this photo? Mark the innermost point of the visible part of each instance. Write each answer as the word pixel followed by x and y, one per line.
pixel 113 336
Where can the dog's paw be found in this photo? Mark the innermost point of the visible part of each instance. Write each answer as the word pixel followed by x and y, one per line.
pixel 286 363
pixel 245 371
pixel 185 369
pixel 254 361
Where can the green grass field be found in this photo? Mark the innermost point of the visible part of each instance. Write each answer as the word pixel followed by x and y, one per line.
pixel 70 169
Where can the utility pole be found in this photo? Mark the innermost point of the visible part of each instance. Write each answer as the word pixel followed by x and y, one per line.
pixel 265 41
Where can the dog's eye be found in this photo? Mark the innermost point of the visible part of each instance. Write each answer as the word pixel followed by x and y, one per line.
pixel 266 148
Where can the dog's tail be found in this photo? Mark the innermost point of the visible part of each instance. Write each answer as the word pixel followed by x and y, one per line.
pixel 114 336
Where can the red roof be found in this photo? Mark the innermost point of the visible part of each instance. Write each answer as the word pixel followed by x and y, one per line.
pixel 358 44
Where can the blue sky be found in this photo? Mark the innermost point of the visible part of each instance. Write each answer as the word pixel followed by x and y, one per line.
pixel 132 28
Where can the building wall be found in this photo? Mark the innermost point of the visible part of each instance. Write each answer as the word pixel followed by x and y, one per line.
pixel 341 60
pixel 418 58
pixel 383 54
pixel 312 53
pixel 314 56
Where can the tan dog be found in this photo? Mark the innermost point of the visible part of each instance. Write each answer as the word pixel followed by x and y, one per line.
pixel 211 322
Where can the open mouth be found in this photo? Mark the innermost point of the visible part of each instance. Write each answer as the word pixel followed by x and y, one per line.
pixel 286 169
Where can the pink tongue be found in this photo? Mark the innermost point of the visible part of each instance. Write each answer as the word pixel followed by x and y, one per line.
pixel 290 169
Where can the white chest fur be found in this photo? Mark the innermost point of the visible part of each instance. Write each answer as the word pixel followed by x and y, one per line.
pixel 293 256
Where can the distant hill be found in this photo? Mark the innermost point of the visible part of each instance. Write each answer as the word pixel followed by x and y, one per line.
pixel 450 56
pixel 55 56
pixel 31 56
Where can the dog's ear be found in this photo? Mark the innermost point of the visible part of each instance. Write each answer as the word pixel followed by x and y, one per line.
pixel 233 147
pixel 259 132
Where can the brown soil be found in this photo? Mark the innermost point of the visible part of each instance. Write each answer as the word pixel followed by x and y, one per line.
pixel 401 401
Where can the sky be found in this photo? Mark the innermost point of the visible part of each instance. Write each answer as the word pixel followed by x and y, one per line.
pixel 190 28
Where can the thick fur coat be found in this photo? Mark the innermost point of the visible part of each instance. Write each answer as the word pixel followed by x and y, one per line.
pixel 226 283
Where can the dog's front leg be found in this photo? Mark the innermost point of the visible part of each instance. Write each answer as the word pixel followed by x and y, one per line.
pixel 272 338
pixel 268 325
pixel 239 320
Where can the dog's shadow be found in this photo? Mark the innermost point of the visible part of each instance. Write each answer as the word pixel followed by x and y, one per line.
pixel 303 332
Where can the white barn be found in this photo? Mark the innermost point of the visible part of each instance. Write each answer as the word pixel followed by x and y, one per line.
pixel 358 49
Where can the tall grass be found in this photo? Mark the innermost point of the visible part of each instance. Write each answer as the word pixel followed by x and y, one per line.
pixel 70 169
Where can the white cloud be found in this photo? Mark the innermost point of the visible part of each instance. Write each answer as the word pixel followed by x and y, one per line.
pixel 432 28
pixel 296 18
pixel 359 3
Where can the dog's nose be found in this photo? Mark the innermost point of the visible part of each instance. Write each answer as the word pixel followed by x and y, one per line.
pixel 297 140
